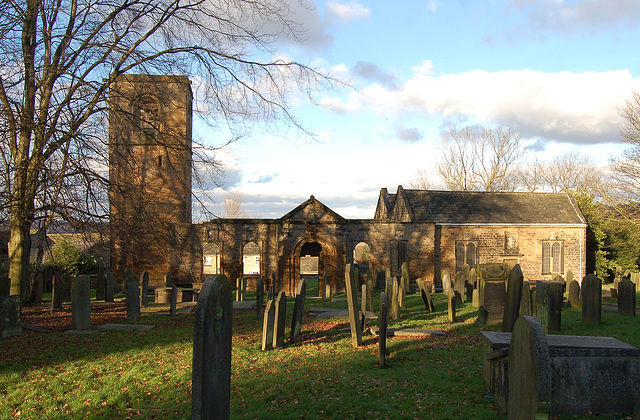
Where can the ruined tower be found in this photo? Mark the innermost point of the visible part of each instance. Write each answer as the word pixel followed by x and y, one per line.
pixel 150 119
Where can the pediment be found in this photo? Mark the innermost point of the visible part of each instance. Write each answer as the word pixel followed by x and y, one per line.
pixel 313 210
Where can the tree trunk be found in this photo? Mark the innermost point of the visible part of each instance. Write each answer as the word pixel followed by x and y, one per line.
pixel 19 250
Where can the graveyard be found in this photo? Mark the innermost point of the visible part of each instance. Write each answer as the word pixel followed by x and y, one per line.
pixel 321 373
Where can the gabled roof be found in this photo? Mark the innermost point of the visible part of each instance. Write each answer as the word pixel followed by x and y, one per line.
pixel 467 207
pixel 313 210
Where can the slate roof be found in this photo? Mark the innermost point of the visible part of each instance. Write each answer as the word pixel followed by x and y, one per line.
pixel 465 207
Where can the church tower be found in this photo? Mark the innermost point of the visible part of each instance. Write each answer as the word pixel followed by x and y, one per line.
pixel 150 119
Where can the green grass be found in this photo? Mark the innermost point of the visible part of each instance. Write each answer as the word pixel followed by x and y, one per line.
pixel 121 374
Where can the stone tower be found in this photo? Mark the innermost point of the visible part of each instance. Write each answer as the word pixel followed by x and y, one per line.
pixel 150 118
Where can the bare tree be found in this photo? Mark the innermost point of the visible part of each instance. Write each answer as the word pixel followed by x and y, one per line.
pixel 478 158
pixel 421 181
pixel 233 206
pixel 570 172
pixel 59 58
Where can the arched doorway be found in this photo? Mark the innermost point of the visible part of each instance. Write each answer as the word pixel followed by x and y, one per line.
pixel 311 266
pixel 251 259
pixel 210 259
pixel 362 257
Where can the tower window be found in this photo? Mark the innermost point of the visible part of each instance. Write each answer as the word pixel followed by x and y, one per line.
pixel 159 161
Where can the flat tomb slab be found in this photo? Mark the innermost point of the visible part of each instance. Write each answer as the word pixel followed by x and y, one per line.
pixel 244 304
pixel 409 332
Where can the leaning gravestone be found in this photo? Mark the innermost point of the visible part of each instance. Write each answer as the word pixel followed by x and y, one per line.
pixel 352 302
pixel 574 294
pixel 279 320
pixel 173 303
pixel 451 298
pixel 298 309
pixel 627 298
pixel 382 329
pixel 426 296
pixel 458 287
pixel 267 326
pixel 526 305
pixel 514 296
pixel 549 304
pixel 395 303
pixel 211 373
pixel 591 299
pixel 81 303
pixel 133 302
pixel 10 316
pixel 109 287
pixel 259 296
pixel 144 291
pixel 5 286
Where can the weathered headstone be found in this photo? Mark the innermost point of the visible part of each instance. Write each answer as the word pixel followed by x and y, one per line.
pixel 81 303
pixel 173 308
pixel 529 376
pixel 238 289
pixel 382 330
pixel 446 283
pixel 466 272
pixel 259 297
pixel 279 320
pixel 591 292
pixel 298 310
pixel 405 279
pixel 458 286
pixel 109 286
pixel 451 299
pixel 267 326
pixel 133 295
pixel 352 303
pixel 549 304
pixel 211 372
pixel 473 278
pixel 370 295
pixel 475 298
pixel 363 309
pixel 514 296
pixel 10 316
pixel 168 280
pixel 526 305
pixel 574 294
pixel 144 291
pixel 635 277
pixel 56 292
pixel 381 279
pixel 469 292
pixel 5 286
pixel 627 298
pixel 101 283
pixel 426 296
pixel 395 304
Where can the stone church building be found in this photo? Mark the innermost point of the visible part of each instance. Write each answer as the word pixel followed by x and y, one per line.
pixel 151 228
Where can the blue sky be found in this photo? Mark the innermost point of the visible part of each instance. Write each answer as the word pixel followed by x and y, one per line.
pixel 556 71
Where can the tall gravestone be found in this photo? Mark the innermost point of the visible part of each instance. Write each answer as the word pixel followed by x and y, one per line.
pixel 451 299
pixel 259 296
pixel 56 292
pixel 514 297
pixel 458 287
pixel 446 284
pixel 363 309
pixel 279 320
pixel 100 282
pixel 381 279
pixel 574 294
pixel 267 326
pixel 81 303
pixel 173 303
pixel 627 298
pixel 244 289
pixel 591 291
pixel 526 305
pixel 211 372
pixel 405 284
pixel 395 303
pixel 110 285
pixel 426 296
pixel 10 316
pixel 298 310
pixel 144 291
pixel 370 295
pixel 168 280
pixel 352 302
pixel 549 304
pixel 382 330
pixel 133 295
pixel 238 289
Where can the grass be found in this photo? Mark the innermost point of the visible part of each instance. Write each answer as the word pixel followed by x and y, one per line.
pixel 134 374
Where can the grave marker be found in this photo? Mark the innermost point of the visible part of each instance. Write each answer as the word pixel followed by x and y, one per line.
pixel 298 309
pixel 56 292
pixel 259 297
pixel 267 326
pixel 109 287
pixel 10 316
pixel 323 289
pixel 549 304
pixel 363 310
pixel 211 373
pixel 526 305
pixel 458 286
pixel 446 283
pixel 426 296
pixel 451 298
pixel 81 303
pixel 280 320
pixel 574 294
pixel 382 330
pixel 238 289
pixel 627 298
pixel 381 279
pixel 174 301
pixel 168 280
pixel 514 296
pixel 352 302
pixel 370 295
pixel 144 291
pixel 133 295
pixel 395 304
pixel 591 299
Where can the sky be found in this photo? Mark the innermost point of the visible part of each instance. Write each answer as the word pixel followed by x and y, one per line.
pixel 555 71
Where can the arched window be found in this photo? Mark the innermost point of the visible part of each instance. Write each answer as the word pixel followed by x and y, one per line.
pixel 552 257
pixel 251 259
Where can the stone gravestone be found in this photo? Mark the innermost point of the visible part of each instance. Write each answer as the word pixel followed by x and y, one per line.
pixel 382 330
pixel 370 295
pixel 549 304
pixel 446 283
pixel 526 305
pixel 458 287
pixel 529 375
pixel 173 303
pixel 473 278
pixel 395 304
pixel 100 283
pixel 469 292
pixel 298 309
pixel 211 372
pixel 244 289
pixel 363 310
pixel 144 291
pixel 574 294
pixel 451 298
pixel 279 320
pixel 10 316
pixel 56 292
pixel 475 298
pixel 381 279
pixel 168 280
pixel 238 289
pixel 133 294
pixel 627 298
pixel 514 296
pixel 109 287
pixel 404 285
pixel 267 326
pixel 495 293
pixel 426 296
pixel 259 296
pixel 635 277
pixel 81 303
pixel 591 291
pixel 5 286
pixel 352 302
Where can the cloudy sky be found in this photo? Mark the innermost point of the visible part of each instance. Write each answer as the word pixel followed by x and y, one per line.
pixel 556 71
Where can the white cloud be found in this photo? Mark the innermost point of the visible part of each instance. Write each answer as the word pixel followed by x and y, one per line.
pixel 433 5
pixel 350 11
pixel 326 136
pixel 566 107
